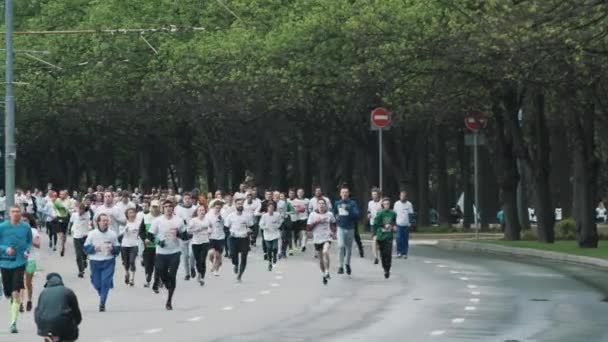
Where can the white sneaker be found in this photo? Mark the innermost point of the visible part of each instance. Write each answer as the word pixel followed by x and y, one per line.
pixel 216 273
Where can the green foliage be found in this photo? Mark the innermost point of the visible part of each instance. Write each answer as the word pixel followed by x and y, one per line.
pixel 566 229
pixel 309 66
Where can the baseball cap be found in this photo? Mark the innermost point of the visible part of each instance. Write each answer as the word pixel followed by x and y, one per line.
pixel 155 203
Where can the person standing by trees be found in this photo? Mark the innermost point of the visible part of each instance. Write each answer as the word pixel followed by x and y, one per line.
pixel 384 226
pixel 403 208
pixel 102 247
pixel 347 213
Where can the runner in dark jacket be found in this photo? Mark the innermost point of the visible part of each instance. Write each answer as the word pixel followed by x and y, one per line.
pixel 57 313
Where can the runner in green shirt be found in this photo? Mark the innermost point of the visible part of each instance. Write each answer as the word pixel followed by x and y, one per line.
pixel 384 227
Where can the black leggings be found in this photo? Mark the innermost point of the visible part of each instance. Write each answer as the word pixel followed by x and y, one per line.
pixel 129 254
pixel 227 241
pixel 81 257
pixel 149 256
pixel 239 246
pixel 200 257
pixel 358 240
pixel 386 253
pixel 52 234
pixel 166 268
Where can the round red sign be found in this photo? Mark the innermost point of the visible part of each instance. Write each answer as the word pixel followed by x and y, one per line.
pixel 381 117
pixel 475 121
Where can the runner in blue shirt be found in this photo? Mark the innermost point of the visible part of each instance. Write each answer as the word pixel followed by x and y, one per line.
pixel 15 245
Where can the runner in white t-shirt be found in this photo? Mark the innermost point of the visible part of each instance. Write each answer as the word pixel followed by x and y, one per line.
pixel 168 230
pixel 239 225
pixel 199 229
pixel 81 222
pixel 270 223
pixel 322 223
pixel 373 207
pixel 215 221
pixel 129 244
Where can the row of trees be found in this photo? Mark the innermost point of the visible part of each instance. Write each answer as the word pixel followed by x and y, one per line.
pixel 283 89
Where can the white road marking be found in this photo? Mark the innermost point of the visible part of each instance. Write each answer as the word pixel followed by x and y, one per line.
pixel 274 285
pixel 454 272
pixel 470 308
pixel 227 308
pixel 464 278
pixel 474 300
pixel 472 286
pixel 265 292
pixel 249 300
pixel 441 266
pixel 437 332
pixel 458 320
pixel 278 277
pixel 153 331
pixel 428 262
pixel 475 293
pixel 195 319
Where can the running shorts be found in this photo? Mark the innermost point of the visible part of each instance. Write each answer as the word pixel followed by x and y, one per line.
pixel 319 246
pixel 12 280
pixel 31 266
pixel 217 245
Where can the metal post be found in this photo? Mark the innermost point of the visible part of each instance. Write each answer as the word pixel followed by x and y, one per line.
pixel 380 158
pixel 9 126
pixel 476 182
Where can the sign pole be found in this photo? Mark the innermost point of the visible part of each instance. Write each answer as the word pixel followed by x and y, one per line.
pixel 380 158
pixel 476 182
pixel 9 129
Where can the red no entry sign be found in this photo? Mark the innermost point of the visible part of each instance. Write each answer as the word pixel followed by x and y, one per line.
pixel 475 121
pixel 381 118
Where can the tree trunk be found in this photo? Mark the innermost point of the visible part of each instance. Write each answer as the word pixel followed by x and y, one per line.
pixel 422 176
pixel 585 173
pixel 506 169
pixel 211 185
pixel 443 191
pixel 544 209
pixel 522 195
pixel 561 170
pixel 325 168
pixel 488 189
pixel 465 179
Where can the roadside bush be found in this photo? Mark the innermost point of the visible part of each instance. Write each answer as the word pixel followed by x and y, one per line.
pixel 528 235
pixel 566 229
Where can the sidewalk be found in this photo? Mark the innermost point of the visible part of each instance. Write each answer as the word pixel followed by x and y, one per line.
pixel 489 248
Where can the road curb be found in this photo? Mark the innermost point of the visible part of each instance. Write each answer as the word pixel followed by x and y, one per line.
pixel 522 252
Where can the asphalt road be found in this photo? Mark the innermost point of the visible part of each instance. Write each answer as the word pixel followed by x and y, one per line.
pixel 435 295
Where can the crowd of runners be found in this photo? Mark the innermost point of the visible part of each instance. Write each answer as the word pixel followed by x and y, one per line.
pixel 165 231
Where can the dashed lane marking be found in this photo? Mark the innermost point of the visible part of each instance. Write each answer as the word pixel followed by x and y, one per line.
pixel 153 331
pixel 458 320
pixel 437 332
pixel 227 308
pixel 470 308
